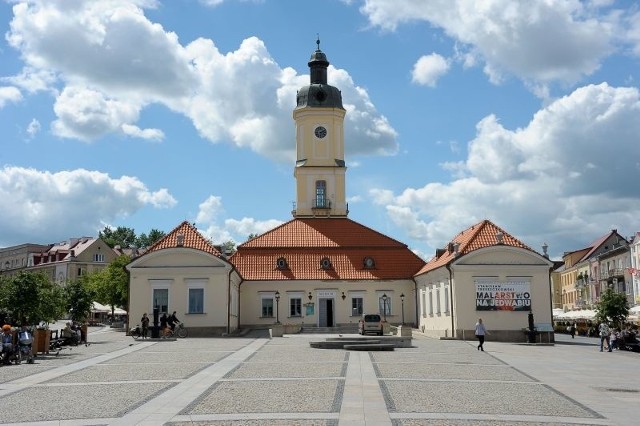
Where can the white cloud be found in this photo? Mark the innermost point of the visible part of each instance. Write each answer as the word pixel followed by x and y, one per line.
pixel 428 69
pixel 108 61
pixel 9 94
pixel 544 41
pixel 209 210
pixel 220 230
pixel 75 202
pixel 86 114
pixel 33 128
pixel 247 226
pixel 137 132
pixel 572 170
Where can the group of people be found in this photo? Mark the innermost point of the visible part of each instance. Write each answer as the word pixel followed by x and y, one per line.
pixel 614 339
pixel 167 324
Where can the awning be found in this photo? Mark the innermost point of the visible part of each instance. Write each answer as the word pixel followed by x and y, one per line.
pixel 99 307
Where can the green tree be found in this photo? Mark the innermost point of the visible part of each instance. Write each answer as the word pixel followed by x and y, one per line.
pixel 111 284
pixel 145 240
pixel 79 298
pixel 31 298
pixel 228 247
pixel 612 307
pixel 121 236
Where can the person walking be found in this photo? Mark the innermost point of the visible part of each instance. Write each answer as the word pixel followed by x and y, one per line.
pixel 481 331
pixel 572 330
pixel 604 335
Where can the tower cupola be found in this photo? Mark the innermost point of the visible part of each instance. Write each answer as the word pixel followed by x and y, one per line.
pixel 319 93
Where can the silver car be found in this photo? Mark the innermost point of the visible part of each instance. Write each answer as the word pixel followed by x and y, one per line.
pixel 370 323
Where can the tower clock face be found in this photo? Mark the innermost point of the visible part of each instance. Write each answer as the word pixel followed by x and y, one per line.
pixel 320 132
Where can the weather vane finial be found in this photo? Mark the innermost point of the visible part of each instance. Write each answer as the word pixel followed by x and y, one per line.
pixel 318 40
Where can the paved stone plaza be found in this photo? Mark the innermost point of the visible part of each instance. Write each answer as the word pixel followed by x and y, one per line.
pixel 282 381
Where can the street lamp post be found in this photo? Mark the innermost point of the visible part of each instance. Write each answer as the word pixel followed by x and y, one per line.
pixel 384 306
pixel 402 300
pixel 277 307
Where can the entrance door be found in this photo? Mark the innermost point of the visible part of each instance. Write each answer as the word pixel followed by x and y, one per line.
pixel 325 313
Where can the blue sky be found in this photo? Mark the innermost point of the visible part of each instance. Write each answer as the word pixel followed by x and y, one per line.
pixel 146 113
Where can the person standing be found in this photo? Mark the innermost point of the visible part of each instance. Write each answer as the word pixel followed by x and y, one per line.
pixel 145 325
pixel 481 331
pixel 163 324
pixel 604 335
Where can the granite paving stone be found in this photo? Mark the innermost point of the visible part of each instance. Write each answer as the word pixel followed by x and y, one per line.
pixel 113 400
pixel 261 422
pixel 460 422
pixel 168 358
pixel 462 357
pixel 132 372
pixel 479 397
pixel 270 396
pixel 292 370
pixel 270 352
pixel 451 371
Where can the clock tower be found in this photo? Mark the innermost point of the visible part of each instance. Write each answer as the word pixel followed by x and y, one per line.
pixel 320 169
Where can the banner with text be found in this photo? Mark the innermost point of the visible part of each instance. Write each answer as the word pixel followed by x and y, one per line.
pixel 503 296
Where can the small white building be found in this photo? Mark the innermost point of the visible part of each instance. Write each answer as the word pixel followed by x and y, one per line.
pixel 184 272
pixel 485 273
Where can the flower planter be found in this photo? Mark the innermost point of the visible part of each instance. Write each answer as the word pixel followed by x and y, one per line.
pixel 276 330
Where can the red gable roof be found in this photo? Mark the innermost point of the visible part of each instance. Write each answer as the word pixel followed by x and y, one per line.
pixel 480 235
pixel 191 239
pixel 304 243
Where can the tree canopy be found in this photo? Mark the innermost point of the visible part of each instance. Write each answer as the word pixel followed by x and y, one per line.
pixel 127 238
pixel 612 307
pixel 31 297
pixel 111 284
pixel 79 298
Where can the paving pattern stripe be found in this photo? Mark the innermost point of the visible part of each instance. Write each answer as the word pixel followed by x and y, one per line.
pixel 115 382
pixel 38 378
pixel 74 422
pixel 363 402
pixel 168 404
pixel 254 416
pixel 280 379
pixel 502 418
pixel 394 379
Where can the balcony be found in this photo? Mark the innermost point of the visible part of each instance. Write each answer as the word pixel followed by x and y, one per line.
pixel 321 203
pixel 617 272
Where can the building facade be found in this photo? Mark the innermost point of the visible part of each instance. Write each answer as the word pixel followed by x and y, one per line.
pixel 484 272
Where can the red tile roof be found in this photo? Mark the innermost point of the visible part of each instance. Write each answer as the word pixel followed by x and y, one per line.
pixel 303 243
pixel 480 235
pixel 191 239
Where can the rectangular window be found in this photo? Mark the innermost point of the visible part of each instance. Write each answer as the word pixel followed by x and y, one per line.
pixel 430 301
pixel 196 300
pixel 384 306
pixel 356 306
pixel 98 257
pixel 295 307
pixel 446 299
pixel 267 307
pixel 161 299
pixel 438 300
pixel 321 191
pixel 423 305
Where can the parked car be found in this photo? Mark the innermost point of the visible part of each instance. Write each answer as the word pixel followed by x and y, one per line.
pixel 370 323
